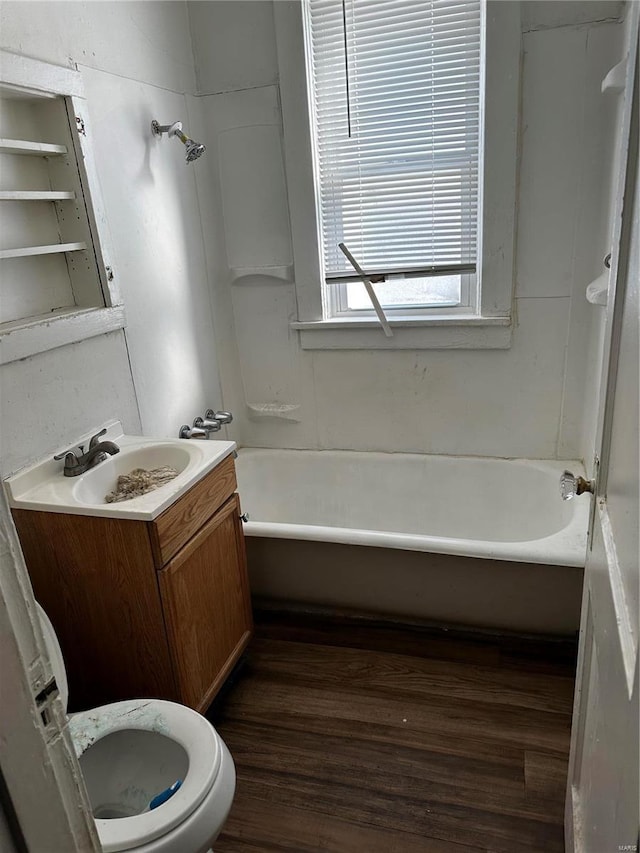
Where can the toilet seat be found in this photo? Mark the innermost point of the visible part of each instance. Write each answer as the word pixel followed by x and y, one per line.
pixel 180 724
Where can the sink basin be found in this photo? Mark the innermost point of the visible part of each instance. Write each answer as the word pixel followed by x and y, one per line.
pixel 43 486
pixel 93 486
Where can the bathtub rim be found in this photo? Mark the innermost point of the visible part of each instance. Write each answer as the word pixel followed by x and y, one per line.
pixel 519 552
pixel 564 547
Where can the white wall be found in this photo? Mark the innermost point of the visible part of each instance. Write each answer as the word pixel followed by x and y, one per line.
pixel 137 64
pixel 139 40
pixel 51 399
pixel 564 219
pixel 233 44
pixel 152 207
pixel 525 401
pixel 543 14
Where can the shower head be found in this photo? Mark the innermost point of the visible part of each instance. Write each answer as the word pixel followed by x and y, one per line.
pixel 194 149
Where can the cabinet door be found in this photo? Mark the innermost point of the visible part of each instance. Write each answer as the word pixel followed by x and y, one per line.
pixel 205 597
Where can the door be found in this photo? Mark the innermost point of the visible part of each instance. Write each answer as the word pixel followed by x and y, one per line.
pixel 603 790
pixel 207 607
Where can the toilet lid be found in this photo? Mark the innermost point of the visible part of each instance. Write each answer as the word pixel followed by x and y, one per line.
pixel 55 655
pixel 188 728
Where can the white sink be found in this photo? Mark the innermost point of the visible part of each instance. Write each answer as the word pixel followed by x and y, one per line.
pixel 44 487
pixel 93 486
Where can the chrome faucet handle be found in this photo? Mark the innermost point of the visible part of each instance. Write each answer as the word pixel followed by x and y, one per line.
pixel 570 486
pixel 76 461
pixel 222 417
pixel 208 424
pixel 72 451
pixel 95 439
pixel 69 456
pixel 79 448
pixel 192 432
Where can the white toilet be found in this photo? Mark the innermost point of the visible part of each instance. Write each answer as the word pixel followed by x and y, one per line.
pixel 132 751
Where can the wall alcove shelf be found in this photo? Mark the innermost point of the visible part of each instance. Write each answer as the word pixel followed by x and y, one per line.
pixel 36 195
pixel 57 284
pixel 23 146
pixel 42 250
pixel 37 149
pixel 251 275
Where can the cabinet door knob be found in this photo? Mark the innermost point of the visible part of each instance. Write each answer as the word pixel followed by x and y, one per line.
pixel 244 516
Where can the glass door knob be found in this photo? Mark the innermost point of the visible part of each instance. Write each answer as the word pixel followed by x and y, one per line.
pixel 570 486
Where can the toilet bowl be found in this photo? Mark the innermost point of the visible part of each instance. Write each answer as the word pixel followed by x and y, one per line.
pixel 132 751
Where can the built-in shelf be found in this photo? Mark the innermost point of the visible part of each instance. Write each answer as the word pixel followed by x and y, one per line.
pixel 57 284
pixel 279 273
pixel 274 411
pixel 24 337
pixel 598 290
pixel 27 251
pixel 37 149
pixel 38 195
pixel 57 315
pixel 615 81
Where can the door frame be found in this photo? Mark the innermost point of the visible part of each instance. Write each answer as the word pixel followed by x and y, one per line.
pixel 622 231
pixel 42 794
pixel 624 633
pixel 620 238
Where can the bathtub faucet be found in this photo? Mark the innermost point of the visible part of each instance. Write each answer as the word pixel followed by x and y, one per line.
pixel 213 421
pixel 203 427
pixel 222 417
pixel 192 432
pixel 207 424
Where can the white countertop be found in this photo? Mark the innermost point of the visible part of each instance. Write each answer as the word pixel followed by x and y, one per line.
pixel 43 486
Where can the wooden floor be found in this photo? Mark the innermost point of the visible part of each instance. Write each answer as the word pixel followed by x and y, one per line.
pixel 358 738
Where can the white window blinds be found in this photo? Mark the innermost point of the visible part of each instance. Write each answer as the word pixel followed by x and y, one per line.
pixel 396 108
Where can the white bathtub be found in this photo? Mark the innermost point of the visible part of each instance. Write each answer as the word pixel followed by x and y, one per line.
pixel 509 513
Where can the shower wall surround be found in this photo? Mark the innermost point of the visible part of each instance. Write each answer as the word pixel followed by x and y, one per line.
pixel 524 401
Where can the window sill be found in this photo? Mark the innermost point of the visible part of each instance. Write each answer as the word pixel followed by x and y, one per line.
pixel 24 338
pixel 443 332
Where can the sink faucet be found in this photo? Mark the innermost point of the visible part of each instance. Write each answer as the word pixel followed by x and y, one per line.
pixel 75 464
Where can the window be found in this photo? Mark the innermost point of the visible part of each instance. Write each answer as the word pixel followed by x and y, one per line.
pixel 395 97
pixel 436 220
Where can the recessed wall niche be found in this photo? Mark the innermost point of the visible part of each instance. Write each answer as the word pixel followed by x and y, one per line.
pixel 56 284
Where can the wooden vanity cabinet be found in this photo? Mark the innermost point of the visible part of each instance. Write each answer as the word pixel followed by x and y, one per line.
pixel 157 609
pixel 206 606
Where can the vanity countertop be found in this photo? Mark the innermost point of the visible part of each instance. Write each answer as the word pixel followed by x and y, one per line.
pixel 43 486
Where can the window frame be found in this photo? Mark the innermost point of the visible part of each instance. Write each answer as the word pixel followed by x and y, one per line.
pixel 338 306
pixel 486 323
